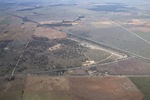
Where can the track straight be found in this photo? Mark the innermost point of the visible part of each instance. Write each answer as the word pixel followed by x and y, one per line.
pixel 12 74
pixel 118 24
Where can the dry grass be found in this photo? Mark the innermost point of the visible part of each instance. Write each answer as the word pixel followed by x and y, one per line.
pixel 140 29
pixel 49 33
pixel 102 24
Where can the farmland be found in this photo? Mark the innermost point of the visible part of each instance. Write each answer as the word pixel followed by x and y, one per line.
pixel 143 84
pixel 69 88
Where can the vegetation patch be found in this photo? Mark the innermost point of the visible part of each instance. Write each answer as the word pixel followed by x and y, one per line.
pixel 143 83
pixel 111 8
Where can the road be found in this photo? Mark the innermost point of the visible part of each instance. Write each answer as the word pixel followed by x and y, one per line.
pixel 81 67
pixel 118 24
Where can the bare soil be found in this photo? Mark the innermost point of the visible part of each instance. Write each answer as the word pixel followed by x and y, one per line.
pixel 69 88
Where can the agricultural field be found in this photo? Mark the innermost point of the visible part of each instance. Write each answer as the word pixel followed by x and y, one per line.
pixel 143 83
pixel 70 88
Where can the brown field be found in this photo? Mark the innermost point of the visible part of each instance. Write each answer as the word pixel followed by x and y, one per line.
pixel 16 32
pixel 11 90
pixel 137 22
pixel 49 33
pixel 70 88
pixel 140 29
pixel 132 66
pixel 27 30
pixel 102 24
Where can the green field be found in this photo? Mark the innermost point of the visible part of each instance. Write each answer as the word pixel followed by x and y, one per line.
pixel 143 83
pixel 145 35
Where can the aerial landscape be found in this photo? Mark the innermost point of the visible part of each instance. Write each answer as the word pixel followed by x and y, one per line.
pixel 74 50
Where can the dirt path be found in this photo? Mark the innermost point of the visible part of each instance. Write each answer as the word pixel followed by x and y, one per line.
pixel 16 65
pixel 66 69
pixel 118 24
pixel 104 59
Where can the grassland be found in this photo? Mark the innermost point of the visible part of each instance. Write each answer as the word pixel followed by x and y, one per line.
pixel 97 55
pixel 115 37
pixel 145 35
